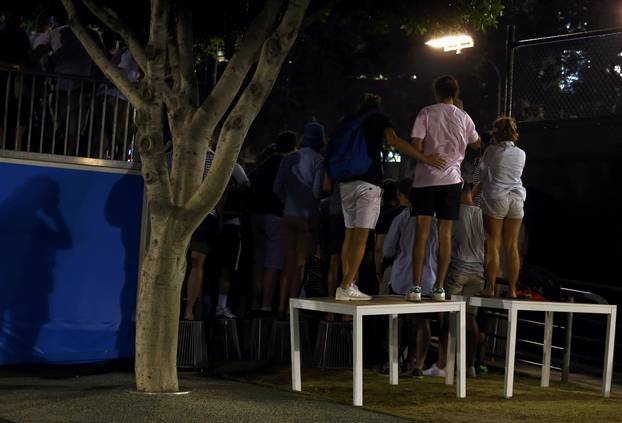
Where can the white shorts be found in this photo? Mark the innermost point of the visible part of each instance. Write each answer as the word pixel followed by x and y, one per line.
pixel 361 204
pixel 510 207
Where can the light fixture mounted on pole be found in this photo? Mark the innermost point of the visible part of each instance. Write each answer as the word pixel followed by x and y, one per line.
pixel 452 42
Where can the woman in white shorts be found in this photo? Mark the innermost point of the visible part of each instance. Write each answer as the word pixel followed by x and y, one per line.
pixel 502 200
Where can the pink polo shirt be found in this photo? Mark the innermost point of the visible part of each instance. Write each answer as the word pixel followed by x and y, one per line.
pixel 445 130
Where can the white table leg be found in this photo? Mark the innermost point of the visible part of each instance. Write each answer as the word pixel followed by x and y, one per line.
pixel 461 338
pixel 393 350
pixel 357 358
pixel 510 351
pixel 547 347
pixel 609 346
pixel 451 347
pixel 294 330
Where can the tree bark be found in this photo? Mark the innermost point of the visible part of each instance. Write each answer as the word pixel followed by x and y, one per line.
pixel 157 314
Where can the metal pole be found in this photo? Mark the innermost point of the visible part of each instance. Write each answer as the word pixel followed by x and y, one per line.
pixel 79 118
pixel 5 127
pixel 509 69
pixel 567 349
pixel 44 112
pixel 32 109
pixel 499 85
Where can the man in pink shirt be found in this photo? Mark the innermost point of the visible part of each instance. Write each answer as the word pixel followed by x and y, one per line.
pixel 444 129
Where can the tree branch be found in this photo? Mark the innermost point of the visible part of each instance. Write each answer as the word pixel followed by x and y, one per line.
pixel 153 156
pixel 189 155
pixel 318 14
pixel 114 23
pixel 235 128
pixel 173 63
pixel 217 103
pixel 185 45
pixel 100 57
pixel 156 52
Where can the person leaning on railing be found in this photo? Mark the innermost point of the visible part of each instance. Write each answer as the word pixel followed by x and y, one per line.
pixel 14 56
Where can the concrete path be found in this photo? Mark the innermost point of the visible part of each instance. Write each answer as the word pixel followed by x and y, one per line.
pixel 109 398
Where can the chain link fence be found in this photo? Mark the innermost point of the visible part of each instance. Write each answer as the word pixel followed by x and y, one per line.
pixel 579 77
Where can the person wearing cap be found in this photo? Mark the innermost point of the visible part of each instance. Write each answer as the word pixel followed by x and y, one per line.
pixel 298 184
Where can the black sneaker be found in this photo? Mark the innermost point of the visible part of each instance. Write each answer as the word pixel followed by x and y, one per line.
pixel 418 373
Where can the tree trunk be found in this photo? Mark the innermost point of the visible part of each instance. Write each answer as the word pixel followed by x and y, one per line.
pixel 157 314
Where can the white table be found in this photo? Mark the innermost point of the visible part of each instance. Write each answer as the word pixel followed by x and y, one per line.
pixel 513 306
pixel 392 306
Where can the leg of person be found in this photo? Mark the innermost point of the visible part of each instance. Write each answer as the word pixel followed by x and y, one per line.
pixel 422 233
pixel 273 259
pixel 224 284
pixel 493 228
pixel 447 209
pixel 232 248
pixel 289 265
pixel 443 323
pixel 423 205
pixel 444 256
pixel 482 343
pixel 332 280
pixel 259 252
pixel 195 283
pixel 361 208
pixel 352 255
pixel 472 334
pixel 306 245
pixel 423 337
pixel 511 231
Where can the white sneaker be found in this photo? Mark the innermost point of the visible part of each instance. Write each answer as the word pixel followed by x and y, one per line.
pixel 351 294
pixel 434 371
pixel 413 294
pixel 224 312
pixel 438 294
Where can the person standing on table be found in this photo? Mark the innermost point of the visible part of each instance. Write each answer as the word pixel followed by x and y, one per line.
pixel 298 184
pixel 502 202
pixel 442 128
pixel 361 192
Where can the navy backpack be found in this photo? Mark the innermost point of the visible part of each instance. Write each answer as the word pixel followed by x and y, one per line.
pixel 346 154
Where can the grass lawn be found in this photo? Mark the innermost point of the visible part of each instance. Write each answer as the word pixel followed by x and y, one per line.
pixel 430 400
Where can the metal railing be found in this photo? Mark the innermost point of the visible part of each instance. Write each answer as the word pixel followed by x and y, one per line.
pixel 566 334
pixel 65 115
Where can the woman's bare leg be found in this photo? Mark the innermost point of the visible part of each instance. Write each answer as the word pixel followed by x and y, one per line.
pixel 511 232
pixel 493 229
pixel 195 283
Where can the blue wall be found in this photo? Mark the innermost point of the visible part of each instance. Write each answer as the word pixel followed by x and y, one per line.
pixel 69 250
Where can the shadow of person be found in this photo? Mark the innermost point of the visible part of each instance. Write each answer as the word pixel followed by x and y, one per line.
pixel 122 210
pixel 32 229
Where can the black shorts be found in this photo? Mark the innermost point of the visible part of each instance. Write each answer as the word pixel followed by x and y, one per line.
pixel 205 238
pixel 442 201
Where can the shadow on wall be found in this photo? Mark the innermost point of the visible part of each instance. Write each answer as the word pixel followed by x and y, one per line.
pixel 32 230
pixel 118 215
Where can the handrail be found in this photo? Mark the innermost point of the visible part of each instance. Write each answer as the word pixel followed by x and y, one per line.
pixel 66 116
pixel 55 75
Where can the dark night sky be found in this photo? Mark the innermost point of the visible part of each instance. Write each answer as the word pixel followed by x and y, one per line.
pixel 321 80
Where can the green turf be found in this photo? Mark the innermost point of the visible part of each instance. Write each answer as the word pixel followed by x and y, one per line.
pixel 430 400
